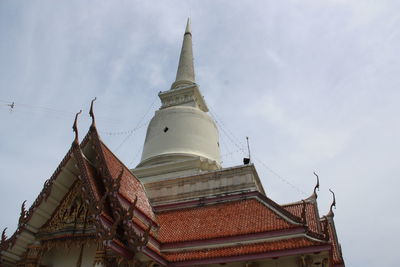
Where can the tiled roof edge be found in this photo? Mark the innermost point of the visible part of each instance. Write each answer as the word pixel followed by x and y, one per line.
pixel 255 256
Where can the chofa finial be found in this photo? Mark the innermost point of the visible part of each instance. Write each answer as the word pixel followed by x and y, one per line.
pixel 316 186
pixel 3 235
pixel 3 241
pixel 91 113
pixel 75 127
pixel 333 203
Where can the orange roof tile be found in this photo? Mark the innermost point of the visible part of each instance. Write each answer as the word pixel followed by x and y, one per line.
pixel 219 220
pixel 337 254
pixel 130 185
pixel 238 250
pixel 92 179
pixel 312 216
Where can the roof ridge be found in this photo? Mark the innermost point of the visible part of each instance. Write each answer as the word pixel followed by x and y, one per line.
pixel 281 210
pixel 300 202
pixel 101 148
pixel 313 220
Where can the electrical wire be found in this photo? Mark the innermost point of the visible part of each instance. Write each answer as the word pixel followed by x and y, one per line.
pixel 18 107
pixel 131 132
pixel 232 137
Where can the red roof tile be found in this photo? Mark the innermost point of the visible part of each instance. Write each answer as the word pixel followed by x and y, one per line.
pixel 312 216
pixel 219 220
pixel 130 185
pixel 92 179
pixel 238 250
pixel 337 254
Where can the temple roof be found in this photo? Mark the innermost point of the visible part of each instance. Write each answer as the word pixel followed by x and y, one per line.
pixel 215 229
pixel 130 186
pixel 233 218
pixel 311 213
pixel 264 249
pixel 247 225
pixel 92 163
pixel 337 251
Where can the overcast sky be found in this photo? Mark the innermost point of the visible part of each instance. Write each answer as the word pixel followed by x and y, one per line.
pixel 314 84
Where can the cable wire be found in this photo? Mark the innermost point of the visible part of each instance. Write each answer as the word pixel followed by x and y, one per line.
pixel 238 145
pixel 131 132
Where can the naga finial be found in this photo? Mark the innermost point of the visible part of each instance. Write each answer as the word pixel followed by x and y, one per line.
pixel 3 242
pixel 75 127
pixel 91 113
pixel 144 238
pixel 129 214
pixel 316 186
pixel 114 184
pixel 3 236
pixel 23 213
pixel 333 203
pixel 118 180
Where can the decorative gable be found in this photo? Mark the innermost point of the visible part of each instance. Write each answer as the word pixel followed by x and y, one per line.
pixel 70 218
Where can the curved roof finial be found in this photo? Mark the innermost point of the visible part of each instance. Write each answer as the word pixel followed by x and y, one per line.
pixel 3 235
pixel 91 113
pixel 316 186
pixel 333 203
pixel 75 127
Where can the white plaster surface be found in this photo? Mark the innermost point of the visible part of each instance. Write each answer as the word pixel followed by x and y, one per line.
pixel 63 257
pixel 191 132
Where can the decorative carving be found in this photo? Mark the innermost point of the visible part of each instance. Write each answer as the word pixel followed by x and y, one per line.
pixel 75 128
pixel 333 203
pixel 178 97
pixel 34 254
pixel 128 216
pixel 46 189
pixel 3 242
pixel 325 230
pixel 95 207
pixel 100 256
pixel 136 241
pixel 71 213
pixel 91 113
pixel 316 186
pixel 23 215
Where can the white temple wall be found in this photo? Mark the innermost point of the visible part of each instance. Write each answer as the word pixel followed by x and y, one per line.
pixel 64 257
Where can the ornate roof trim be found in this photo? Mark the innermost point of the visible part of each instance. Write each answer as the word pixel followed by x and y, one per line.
pixel 98 146
pixel 91 113
pixel 75 128
pixel 331 214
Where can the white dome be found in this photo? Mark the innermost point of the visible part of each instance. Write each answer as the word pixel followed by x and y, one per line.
pixel 180 132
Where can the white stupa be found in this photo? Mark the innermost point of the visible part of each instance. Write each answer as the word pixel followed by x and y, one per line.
pixel 182 138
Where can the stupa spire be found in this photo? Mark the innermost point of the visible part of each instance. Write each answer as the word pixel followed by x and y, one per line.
pixel 185 73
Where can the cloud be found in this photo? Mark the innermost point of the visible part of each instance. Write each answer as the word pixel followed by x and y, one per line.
pixel 314 84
